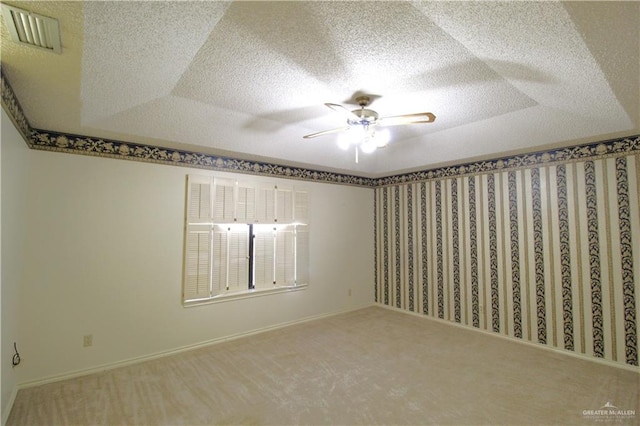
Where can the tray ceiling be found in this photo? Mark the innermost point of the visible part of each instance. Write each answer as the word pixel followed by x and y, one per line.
pixel 249 79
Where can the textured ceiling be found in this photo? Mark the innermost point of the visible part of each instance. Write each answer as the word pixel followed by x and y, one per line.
pixel 249 79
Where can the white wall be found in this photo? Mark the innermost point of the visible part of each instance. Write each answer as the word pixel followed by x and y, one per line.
pixel 104 257
pixel 14 165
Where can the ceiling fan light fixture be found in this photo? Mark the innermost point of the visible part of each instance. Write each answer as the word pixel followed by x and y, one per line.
pixel 382 138
pixel 364 137
pixel 368 145
pixel 352 136
pixel 344 140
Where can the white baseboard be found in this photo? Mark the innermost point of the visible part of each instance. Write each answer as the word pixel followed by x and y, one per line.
pixel 7 410
pixel 135 360
pixel 515 340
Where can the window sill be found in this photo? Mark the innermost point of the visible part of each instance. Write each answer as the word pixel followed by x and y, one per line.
pixel 243 295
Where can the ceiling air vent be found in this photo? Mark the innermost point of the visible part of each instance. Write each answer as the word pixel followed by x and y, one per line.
pixel 32 29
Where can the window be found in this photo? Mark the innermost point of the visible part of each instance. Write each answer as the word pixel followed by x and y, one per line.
pixel 243 239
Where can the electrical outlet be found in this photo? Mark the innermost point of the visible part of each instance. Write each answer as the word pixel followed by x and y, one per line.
pixel 87 340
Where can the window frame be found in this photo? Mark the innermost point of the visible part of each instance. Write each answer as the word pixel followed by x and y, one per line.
pixel 198 217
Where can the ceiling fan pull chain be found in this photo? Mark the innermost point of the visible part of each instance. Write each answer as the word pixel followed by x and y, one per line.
pixel 356 154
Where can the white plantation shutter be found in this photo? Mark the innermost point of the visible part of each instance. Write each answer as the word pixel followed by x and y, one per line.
pixel 220 260
pixel 302 254
pixel 285 255
pixel 246 204
pixel 238 240
pixel 197 249
pixel 224 200
pixel 265 204
pixel 301 207
pixel 199 202
pixel 284 204
pixel 197 262
pixel 264 256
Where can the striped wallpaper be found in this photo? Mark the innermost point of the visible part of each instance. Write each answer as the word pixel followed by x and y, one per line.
pixel 549 254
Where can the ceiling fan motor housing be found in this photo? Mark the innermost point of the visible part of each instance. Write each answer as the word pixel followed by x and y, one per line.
pixel 367 116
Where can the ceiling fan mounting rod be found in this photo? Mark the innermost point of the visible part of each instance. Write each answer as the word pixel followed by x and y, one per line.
pixel 363 101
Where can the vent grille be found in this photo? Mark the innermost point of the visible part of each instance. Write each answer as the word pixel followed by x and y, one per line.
pixel 32 29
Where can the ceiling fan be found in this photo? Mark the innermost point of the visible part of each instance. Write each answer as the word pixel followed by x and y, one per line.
pixel 363 126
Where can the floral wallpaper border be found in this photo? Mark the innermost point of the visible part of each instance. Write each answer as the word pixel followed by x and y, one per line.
pixel 86 145
pixel 609 148
pixel 60 142
pixel 13 108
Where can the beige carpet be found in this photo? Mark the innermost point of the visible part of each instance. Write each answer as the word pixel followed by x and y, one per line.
pixel 371 366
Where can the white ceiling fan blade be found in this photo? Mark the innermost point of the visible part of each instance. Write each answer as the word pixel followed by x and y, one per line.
pixel 343 110
pixel 325 132
pixel 398 120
